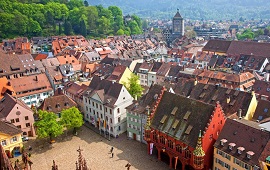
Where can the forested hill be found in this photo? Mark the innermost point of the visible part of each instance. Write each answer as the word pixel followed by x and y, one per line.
pixel 193 9
pixel 63 17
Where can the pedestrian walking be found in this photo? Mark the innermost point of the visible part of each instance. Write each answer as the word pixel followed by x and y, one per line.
pixel 112 155
pixel 111 149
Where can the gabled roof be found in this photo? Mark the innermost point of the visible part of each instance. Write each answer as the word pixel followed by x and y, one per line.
pixel 211 93
pixel 56 104
pixel 111 90
pixel 188 128
pixel 262 111
pixel 24 85
pixel 262 87
pixel 7 104
pixel 245 135
pixel 217 46
pixel 177 15
pixel 9 129
pixel 5 87
pixel 164 69
pixel 249 47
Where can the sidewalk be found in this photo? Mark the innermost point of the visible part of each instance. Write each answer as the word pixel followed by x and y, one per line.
pixel 94 129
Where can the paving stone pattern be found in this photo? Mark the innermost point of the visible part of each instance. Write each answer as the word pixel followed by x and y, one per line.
pixel 96 150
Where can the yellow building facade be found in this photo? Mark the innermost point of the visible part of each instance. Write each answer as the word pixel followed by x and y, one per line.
pixel 11 140
pixel 224 161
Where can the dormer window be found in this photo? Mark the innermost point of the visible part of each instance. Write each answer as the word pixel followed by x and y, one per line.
pixel 240 150
pixel 250 154
pixel 231 146
pixel 223 141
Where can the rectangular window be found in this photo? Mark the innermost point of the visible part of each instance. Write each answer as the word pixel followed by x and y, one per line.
pixel 110 111
pixel 12 121
pixel 26 118
pixel 100 107
pixel 119 119
pixel 19 126
pixel 3 142
pixel 27 124
pixel 17 120
pixel 118 110
pixel 106 109
pixel 14 139
pixel 96 105
pixel 93 104
pixel 86 108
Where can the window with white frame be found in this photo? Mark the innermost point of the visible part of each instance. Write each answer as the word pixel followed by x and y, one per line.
pixel 14 139
pixel 3 142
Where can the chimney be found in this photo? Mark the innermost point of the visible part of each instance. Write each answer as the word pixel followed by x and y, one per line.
pixel 240 113
pixel 228 99
pixel 195 82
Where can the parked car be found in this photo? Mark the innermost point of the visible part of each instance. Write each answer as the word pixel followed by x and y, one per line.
pixel 25 138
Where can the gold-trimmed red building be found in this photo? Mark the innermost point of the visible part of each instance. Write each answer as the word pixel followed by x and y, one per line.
pixel 182 131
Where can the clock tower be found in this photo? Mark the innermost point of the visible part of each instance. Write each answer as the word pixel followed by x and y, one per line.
pixel 178 25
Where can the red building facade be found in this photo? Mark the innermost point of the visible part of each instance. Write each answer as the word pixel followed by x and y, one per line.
pixel 183 131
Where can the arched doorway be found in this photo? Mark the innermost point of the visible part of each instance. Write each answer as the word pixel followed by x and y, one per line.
pixel 16 152
pixel 177 162
pixel 165 157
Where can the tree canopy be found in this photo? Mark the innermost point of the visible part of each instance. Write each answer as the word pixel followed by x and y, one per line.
pixel 133 86
pixel 49 17
pixel 71 118
pixel 47 125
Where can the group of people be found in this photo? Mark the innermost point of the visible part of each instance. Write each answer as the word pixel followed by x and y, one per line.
pixel 128 165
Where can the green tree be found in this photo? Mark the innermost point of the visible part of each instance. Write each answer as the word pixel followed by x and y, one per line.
pixel 82 28
pixel 134 28
pixel 67 28
pixel 92 17
pixel 75 3
pixel 34 28
pixel 71 118
pixel 144 24
pixel 120 32
pixel 47 125
pixel 116 11
pixel 191 34
pixel 103 25
pixel 138 20
pixel 133 86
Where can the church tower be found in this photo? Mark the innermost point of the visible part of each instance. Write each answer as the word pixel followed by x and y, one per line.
pixel 178 25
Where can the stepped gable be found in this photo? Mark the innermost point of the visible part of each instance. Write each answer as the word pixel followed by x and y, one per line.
pixel 247 135
pixel 174 108
pixel 230 100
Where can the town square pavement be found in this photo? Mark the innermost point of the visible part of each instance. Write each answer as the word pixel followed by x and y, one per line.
pixel 96 151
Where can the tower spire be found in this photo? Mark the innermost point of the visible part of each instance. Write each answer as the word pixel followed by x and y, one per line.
pixel 199 152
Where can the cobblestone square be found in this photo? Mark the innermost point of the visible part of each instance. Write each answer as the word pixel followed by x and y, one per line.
pixel 96 151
